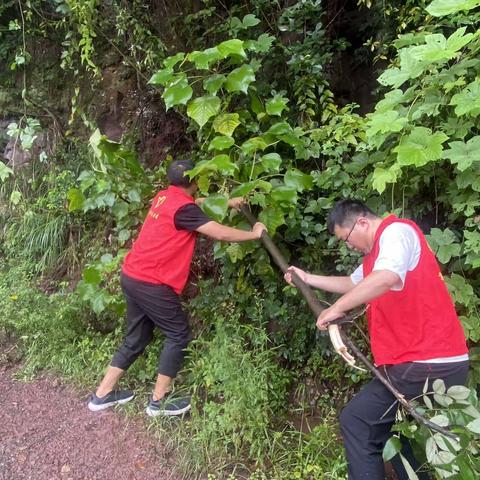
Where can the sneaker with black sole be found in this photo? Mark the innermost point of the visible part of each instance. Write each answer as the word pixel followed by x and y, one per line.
pixel 168 406
pixel 115 397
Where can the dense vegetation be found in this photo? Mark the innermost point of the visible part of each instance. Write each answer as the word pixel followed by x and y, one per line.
pixel 277 102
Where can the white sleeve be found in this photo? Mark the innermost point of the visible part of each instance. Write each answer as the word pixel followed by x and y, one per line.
pixel 357 275
pixel 399 250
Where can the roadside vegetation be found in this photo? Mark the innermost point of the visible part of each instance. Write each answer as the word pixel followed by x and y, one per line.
pixel 277 102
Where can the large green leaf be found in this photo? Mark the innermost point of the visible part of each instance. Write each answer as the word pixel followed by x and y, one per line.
pixel 178 93
pixel 201 109
pixel 239 79
pixel 272 217
pixel 439 8
pixel 276 105
pixel 170 62
pixel 221 143
pixel 382 176
pixel 247 187
pixel 298 180
pixel 162 77
pixel 271 162
pixel 75 199
pixel 463 154
pixel 226 123
pixel 392 448
pixel 216 206
pixel 219 163
pixel 468 100
pixel 385 122
pixel 213 83
pixel 253 144
pixel 232 47
pixel 420 147
pixel 203 59
pixel 284 194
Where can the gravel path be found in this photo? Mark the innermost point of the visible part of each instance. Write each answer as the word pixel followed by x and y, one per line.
pixel 47 433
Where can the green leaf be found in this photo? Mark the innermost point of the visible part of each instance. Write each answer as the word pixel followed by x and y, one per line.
pixel 386 122
pixel 221 143
pixel 123 235
pixel 247 187
pixel 271 162
pixel 392 448
pixel 91 275
pixel 134 195
pixel 468 100
pixel 440 420
pixel 276 105
pixel 203 108
pixel 250 20
pixel 239 79
pixel 220 163
pixel 439 8
pixel 298 180
pixel 463 154
pixel 213 83
pixel 458 392
pixel 226 123
pixel 202 60
pixel 178 93
pixel 420 147
pixel 272 217
pixel 216 206
pixel 253 144
pixel 15 197
pixel 5 171
pixel 284 194
pixel 382 176
pixel 393 77
pixel 231 47
pixel 443 243
pixel 261 45
pixel 162 77
pixel 474 426
pixel 75 199
pixel 120 210
pixel 170 62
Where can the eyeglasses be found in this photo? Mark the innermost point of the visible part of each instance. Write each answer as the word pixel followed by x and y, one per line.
pixel 350 232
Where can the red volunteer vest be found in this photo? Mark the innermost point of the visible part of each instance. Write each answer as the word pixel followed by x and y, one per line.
pixel 162 254
pixel 418 322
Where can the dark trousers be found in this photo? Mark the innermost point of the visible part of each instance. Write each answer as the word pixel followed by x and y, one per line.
pixel 150 306
pixel 366 421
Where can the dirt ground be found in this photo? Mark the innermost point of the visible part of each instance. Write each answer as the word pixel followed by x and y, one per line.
pixel 47 433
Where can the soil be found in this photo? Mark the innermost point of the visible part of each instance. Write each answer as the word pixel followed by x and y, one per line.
pixel 47 433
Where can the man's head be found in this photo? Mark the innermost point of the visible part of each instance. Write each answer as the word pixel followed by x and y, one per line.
pixel 354 223
pixel 176 173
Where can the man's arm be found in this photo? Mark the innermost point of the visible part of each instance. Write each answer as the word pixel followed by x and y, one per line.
pixel 334 284
pixel 228 234
pixel 371 287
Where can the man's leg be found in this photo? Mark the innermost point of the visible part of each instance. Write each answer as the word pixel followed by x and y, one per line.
pixel 365 424
pixel 112 376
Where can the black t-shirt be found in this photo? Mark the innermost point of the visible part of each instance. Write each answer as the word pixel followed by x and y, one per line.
pixel 190 217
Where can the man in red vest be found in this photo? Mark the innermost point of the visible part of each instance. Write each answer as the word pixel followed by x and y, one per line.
pixel 415 333
pixel 154 273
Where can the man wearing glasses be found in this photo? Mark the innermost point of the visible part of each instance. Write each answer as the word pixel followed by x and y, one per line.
pixel 415 333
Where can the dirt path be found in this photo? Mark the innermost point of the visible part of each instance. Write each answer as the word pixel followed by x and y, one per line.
pixel 47 433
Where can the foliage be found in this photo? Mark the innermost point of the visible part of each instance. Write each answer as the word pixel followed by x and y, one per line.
pixel 456 408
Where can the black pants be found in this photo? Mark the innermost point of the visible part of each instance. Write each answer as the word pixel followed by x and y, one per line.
pixel 366 421
pixel 150 306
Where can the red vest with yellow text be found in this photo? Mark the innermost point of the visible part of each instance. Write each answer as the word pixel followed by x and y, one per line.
pixel 162 254
pixel 418 322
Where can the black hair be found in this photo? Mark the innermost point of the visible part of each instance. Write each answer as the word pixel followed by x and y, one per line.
pixel 346 212
pixel 176 173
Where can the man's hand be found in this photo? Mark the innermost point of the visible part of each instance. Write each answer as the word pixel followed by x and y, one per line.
pixel 328 315
pixel 288 275
pixel 236 202
pixel 259 228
